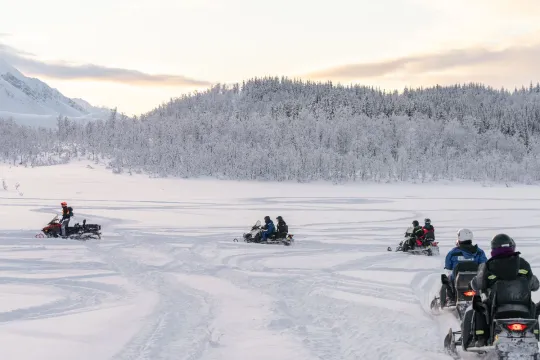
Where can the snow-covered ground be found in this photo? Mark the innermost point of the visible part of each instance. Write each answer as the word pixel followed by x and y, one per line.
pixel 167 281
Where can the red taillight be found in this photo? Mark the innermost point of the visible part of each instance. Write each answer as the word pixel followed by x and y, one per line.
pixel 516 327
pixel 469 293
pixel 434 243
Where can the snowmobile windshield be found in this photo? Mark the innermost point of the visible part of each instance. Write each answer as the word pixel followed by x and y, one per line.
pixel 409 231
pixel 55 219
pixel 258 223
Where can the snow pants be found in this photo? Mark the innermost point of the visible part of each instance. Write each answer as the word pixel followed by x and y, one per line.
pixel 64 223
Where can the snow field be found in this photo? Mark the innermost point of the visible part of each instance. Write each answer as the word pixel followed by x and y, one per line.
pixel 167 282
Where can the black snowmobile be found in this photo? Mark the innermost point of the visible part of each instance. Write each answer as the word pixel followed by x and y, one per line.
pixel 255 236
pixel 463 273
pixel 77 232
pixel 513 324
pixel 429 248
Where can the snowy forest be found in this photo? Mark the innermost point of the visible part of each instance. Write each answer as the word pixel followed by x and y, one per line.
pixel 283 129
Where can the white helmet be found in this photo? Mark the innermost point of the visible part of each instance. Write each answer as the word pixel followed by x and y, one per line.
pixel 464 235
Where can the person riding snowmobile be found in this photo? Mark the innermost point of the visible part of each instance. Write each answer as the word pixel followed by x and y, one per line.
pixel 464 249
pixel 282 228
pixel 268 228
pixel 67 213
pixel 416 235
pixel 505 264
pixel 429 232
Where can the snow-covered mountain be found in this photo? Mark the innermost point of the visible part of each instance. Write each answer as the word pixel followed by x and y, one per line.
pixel 33 102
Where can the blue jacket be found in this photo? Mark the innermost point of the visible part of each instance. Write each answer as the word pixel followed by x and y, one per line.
pixel 464 251
pixel 270 228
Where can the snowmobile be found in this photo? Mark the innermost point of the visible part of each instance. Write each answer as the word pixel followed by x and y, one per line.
pixel 76 232
pixel 255 236
pixel 513 324
pixel 429 249
pixel 463 273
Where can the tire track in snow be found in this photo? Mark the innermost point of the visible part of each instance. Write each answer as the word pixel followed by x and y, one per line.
pixel 41 268
pixel 235 315
pixel 342 317
pixel 176 327
pixel 83 296
pixel 336 325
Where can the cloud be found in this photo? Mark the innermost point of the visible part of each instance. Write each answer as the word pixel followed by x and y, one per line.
pixel 61 70
pixel 510 58
pixel 9 53
pixel 527 8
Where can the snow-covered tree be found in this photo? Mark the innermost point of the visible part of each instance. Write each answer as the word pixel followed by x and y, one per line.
pixel 283 129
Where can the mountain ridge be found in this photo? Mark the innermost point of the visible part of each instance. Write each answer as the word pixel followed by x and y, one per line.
pixel 31 101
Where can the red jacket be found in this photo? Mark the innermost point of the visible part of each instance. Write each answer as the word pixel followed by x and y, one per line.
pixel 430 231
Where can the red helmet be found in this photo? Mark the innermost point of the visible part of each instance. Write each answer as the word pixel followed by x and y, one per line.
pixel 63 203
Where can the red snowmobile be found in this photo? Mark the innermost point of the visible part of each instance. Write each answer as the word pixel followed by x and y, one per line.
pixel 77 232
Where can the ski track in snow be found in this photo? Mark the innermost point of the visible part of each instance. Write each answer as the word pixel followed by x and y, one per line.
pixel 181 291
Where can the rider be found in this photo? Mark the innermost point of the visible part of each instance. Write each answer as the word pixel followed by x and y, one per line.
pixel 268 228
pixel 416 234
pixel 429 231
pixel 504 264
pixel 67 213
pixel 282 227
pixel 464 250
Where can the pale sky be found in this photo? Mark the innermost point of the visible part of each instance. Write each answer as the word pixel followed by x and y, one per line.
pixel 135 54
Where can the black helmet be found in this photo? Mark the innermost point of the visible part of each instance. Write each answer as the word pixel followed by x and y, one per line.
pixel 415 223
pixel 502 240
pixel 279 218
pixel 267 218
pixel 427 221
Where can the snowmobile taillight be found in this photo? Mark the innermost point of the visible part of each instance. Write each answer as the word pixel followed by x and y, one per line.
pixel 516 327
pixel 434 243
pixel 469 293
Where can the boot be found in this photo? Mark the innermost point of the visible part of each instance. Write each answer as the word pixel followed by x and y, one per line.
pixel 480 341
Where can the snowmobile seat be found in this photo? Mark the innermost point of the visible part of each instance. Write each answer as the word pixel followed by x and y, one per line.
pixel 465 266
pixel 463 279
pixel 509 311
pixel 512 298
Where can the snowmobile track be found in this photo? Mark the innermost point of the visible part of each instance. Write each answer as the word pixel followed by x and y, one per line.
pixel 174 328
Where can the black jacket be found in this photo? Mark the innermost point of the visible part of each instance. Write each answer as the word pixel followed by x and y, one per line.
pixel 67 212
pixel 504 267
pixel 418 232
pixel 282 227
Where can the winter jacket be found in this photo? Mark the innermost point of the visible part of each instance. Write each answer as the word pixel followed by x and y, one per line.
pixel 270 228
pixel 67 212
pixel 464 251
pixel 282 227
pixel 428 232
pixel 504 267
pixel 417 232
